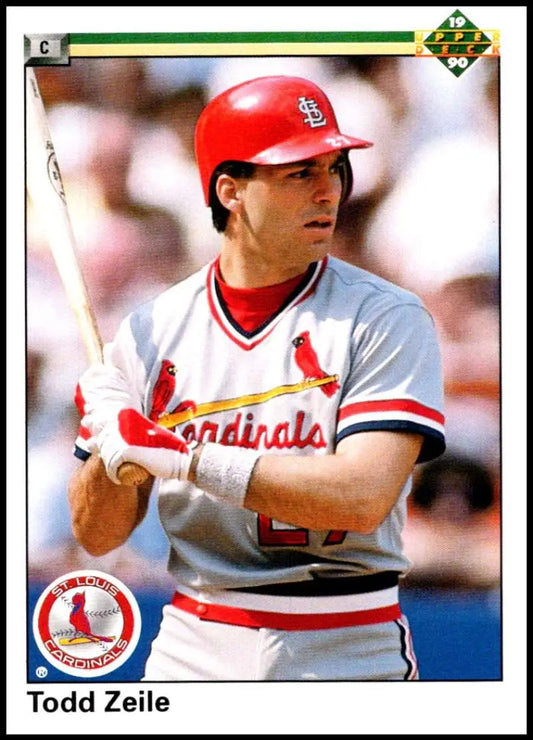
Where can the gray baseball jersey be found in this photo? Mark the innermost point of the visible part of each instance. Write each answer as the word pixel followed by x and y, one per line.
pixel 348 352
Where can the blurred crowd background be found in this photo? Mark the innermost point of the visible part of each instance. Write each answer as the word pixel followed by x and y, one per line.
pixel 424 213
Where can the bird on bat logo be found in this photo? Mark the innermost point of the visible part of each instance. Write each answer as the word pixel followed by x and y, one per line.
pixel 80 620
pixel 164 389
pixel 307 360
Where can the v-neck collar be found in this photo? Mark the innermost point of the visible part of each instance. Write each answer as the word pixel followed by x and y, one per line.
pixel 249 339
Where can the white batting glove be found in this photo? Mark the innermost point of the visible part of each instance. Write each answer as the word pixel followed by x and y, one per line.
pixel 102 391
pixel 131 437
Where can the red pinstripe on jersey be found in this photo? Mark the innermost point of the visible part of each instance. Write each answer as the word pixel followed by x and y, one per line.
pixel 394 414
pixel 407 649
pixel 390 413
pixel 396 404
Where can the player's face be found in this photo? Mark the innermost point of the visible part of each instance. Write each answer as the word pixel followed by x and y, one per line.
pixel 291 210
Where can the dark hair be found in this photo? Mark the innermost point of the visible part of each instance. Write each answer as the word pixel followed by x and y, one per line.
pixel 220 214
pixel 234 168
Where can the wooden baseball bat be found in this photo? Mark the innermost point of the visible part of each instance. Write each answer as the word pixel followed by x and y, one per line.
pixel 45 187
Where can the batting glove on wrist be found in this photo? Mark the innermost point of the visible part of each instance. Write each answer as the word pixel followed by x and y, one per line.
pixel 131 437
pixel 102 391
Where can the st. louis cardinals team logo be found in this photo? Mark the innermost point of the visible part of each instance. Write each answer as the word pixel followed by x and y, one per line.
pixel 313 115
pixel 86 623
pixel 305 358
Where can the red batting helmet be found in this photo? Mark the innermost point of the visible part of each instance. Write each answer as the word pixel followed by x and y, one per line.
pixel 269 120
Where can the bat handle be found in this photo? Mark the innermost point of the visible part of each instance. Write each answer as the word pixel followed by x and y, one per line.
pixel 131 474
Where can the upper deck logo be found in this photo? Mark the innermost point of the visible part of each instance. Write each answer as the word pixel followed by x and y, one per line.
pixel 458 43
pixel 86 623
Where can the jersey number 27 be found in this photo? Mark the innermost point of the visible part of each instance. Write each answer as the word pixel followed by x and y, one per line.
pixel 270 534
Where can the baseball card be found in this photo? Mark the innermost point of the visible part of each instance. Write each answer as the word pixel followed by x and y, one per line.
pixel 238 237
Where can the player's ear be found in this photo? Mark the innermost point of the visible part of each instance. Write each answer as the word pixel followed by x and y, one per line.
pixel 229 190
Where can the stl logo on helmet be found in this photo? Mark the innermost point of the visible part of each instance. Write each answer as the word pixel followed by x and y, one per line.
pixel 309 107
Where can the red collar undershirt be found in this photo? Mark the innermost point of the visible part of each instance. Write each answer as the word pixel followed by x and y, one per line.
pixel 252 307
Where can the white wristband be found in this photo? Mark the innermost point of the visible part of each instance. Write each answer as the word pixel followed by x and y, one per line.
pixel 224 472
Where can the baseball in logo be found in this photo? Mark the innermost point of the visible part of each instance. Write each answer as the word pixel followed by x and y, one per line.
pixel 87 623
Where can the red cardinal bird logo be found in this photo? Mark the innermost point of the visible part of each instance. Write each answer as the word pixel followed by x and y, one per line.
pixel 80 621
pixel 307 360
pixel 164 390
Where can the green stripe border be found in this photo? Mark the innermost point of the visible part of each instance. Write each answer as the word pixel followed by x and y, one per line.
pixel 242 37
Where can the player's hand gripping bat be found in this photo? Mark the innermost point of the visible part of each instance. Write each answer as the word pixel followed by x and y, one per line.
pixel 47 193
